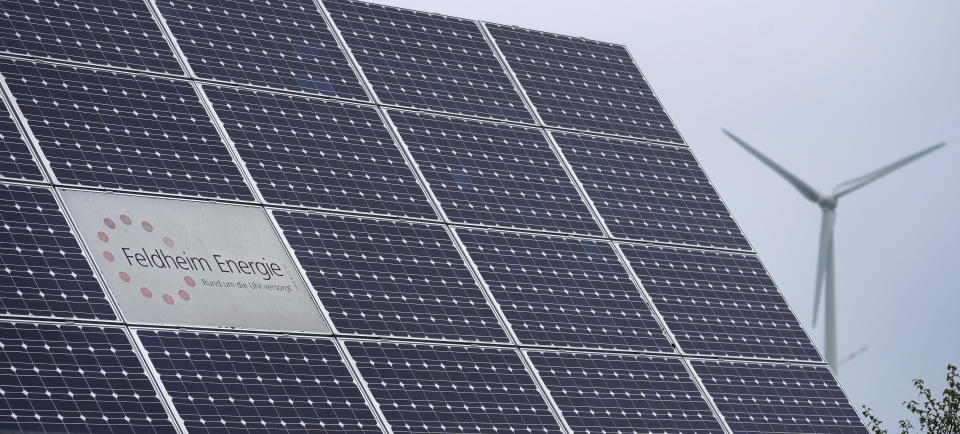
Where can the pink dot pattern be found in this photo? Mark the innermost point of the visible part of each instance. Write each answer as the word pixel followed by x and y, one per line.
pixel 124 276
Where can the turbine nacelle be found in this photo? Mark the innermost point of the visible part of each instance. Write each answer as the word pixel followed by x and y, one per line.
pixel 828 203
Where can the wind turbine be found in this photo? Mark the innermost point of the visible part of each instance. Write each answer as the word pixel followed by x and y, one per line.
pixel 828 204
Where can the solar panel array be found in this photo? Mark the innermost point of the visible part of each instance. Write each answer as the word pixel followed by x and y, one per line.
pixel 502 227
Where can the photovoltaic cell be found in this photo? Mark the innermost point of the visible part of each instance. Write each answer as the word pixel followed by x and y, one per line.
pixel 494 174
pixel 438 388
pixel 390 278
pixel 43 271
pixel 16 160
pixel 124 131
pixel 64 378
pixel 319 154
pixel 762 398
pixel 720 304
pixel 584 85
pixel 650 192
pixel 277 44
pixel 610 393
pixel 118 33
pixel 221 382
pixel 564 292
pixel 427 61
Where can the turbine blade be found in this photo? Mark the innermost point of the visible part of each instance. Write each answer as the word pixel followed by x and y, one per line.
pixel 826 240
pixel 860 181
pixel 804 189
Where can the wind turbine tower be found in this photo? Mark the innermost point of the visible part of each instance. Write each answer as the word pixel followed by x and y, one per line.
pixel 825 260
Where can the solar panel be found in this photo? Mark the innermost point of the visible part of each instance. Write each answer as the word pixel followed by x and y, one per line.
pixel 123 131
pixel 64 378
pixel 503 229
pixel 720 304
pixel 494 174
pixel 16 160
pixel 649 192
pixel 584 85
pixel 222 382
pixel 427 61
pixel 614 393
pixel 319 154
pixel 43 271
pixel 390 278
pixel 441 388
pixel 563 292
pixel 118 33
pixel 282 45
pixel 756 397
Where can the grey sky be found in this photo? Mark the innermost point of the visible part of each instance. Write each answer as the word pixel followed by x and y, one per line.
pixel 830 90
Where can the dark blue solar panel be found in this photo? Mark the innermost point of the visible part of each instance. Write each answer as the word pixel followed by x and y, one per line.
pixel 116 130
pixel 494 174
pixel 584 85
pixel 69 379
pixel 564 292
pixel 278 44
pixel 763 398
pixel 427 61
pixel 438 388
pixel 43 271
pixel 221 382
pixel 720 304
pixel 390 278
pixel 649 192
pixel 16 160
pixel 610 393
pixel 119 33
pixel 319 154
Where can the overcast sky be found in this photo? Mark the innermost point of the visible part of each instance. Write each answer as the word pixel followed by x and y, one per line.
pixel 830 90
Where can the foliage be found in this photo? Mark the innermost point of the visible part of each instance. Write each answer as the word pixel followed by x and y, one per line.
pixel 936 415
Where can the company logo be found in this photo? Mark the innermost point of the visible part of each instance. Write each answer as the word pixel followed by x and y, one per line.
pixel 109 254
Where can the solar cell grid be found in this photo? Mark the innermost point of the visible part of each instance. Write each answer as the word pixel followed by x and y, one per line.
pixel 278 44
pixel 223 382
pixel 609 393
pixel 650 192
pixel 563 292
pixel 118 33
pixel 123 131
pixel 319 154
pixel 427 61
pixel 390 278
pixel 44 271
pixel 720 304
pixel 760 398
pixel 441 388
pixel 494 174
pixel 584 85
pixel 65 378
pixel 16 160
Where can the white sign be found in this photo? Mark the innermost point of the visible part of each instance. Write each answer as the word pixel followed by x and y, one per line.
pixel 192 263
